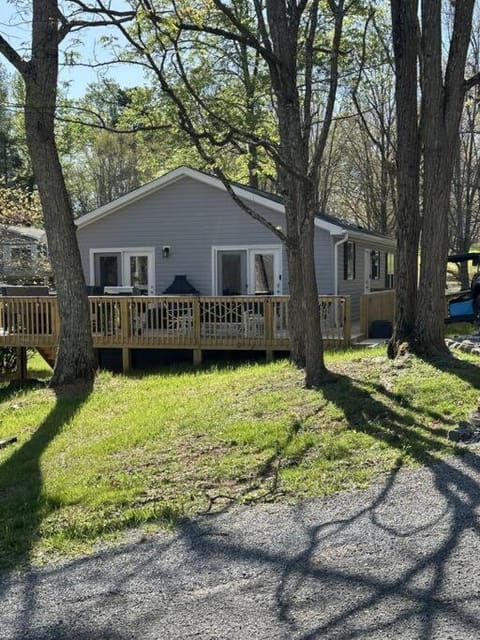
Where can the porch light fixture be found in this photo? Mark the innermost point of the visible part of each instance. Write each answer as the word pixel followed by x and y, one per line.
pixel 166 251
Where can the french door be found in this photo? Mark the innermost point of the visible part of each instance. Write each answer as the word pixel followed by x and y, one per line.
pixel 124 267
pixel 139 271
pixel 248 271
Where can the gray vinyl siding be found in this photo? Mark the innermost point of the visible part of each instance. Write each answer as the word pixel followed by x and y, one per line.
pixel 324 262
pixel 188 216
pixel 355 288
pixel 192 217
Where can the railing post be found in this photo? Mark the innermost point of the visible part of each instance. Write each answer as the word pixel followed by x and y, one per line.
pixel 268 321
pixel 364 302
pixel 196 322
pixel 347 322
pixel 55 320
pixel 125 323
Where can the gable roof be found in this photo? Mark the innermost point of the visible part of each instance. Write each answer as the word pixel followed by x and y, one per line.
pixel 271 201
pixel 27 233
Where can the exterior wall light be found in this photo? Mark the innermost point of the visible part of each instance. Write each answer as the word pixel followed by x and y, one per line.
pixel 166 252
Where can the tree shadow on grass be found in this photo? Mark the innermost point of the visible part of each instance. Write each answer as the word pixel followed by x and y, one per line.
pixel 463 369
pixel 385 420
pixel 18 388
pixel 386 563
pixel 22 503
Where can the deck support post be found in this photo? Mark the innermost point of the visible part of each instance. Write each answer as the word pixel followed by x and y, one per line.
pixel 197 357
pixel 21 355
pixel 126 360
pixel 269 355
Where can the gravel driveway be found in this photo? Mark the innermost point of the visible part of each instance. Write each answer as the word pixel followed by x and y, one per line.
pixel 400 560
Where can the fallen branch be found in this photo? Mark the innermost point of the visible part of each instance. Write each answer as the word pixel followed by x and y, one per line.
pixel 7 441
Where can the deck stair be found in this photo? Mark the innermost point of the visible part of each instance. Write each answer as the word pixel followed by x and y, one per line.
pixel 48 354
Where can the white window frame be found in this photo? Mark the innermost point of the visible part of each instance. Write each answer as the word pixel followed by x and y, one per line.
pixel 125 253
pixel 251 250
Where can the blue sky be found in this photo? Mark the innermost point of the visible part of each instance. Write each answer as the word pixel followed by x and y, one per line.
pixel 16 29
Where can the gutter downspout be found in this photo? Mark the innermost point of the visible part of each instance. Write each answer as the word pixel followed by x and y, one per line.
pixel 335 262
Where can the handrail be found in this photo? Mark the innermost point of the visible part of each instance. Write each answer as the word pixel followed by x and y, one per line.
pixel 191 322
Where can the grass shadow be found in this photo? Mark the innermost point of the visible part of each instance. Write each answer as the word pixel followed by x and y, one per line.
pixel 19 387
pixel 463 369
pixel 381 420
pixel 22 503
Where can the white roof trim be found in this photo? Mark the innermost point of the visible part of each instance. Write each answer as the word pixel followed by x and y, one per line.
pixel 212 181
pixel 370 237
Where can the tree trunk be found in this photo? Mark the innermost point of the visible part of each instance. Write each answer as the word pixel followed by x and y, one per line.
pixel 315 370
pixel 300 197
pixel 442 103
pixel 75 361
pixel 405 42
pixel 304 313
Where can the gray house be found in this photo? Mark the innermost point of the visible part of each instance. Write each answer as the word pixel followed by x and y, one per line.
pixel 23 255
pixel 185 223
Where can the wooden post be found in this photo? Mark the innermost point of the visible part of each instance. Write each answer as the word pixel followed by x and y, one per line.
pixel 268 320
pixel 196 325
pixel 21 354
pixel 347 322
pixel 126 359
pixel 125 321
pixel 55 320
pixel 269 355
pixel 364 303
pixel 197 357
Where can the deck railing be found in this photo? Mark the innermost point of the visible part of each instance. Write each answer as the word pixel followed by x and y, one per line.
pixel 189 322
pixel 376 305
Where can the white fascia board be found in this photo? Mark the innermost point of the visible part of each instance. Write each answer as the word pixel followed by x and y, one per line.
pixel 165 180
pixel 366 237
pixel 337 230
pixel 333 229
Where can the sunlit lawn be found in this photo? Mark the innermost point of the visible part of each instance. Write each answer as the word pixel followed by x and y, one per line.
pixel 146 449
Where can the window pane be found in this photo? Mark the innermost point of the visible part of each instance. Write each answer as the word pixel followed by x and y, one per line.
pixel 349 261
pixel 107 271
pixel 375 265
pixel 264 273
pixel 231 274
pixel 139 272
pixel 390 264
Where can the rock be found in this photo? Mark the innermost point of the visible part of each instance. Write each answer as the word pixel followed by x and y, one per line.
pixel 466 346
pixel 475 418
pixel 462 433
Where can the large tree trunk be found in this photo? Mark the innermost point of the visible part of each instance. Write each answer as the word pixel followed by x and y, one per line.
pixel 442 103
pixel 315 370
pixel 405 43
pixel 300 199
pixel 75 361
pixel 304 312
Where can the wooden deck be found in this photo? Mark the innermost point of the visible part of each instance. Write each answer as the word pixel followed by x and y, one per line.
pixel 173 322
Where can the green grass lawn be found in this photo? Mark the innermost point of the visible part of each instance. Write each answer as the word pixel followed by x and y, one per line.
pixel 145 449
